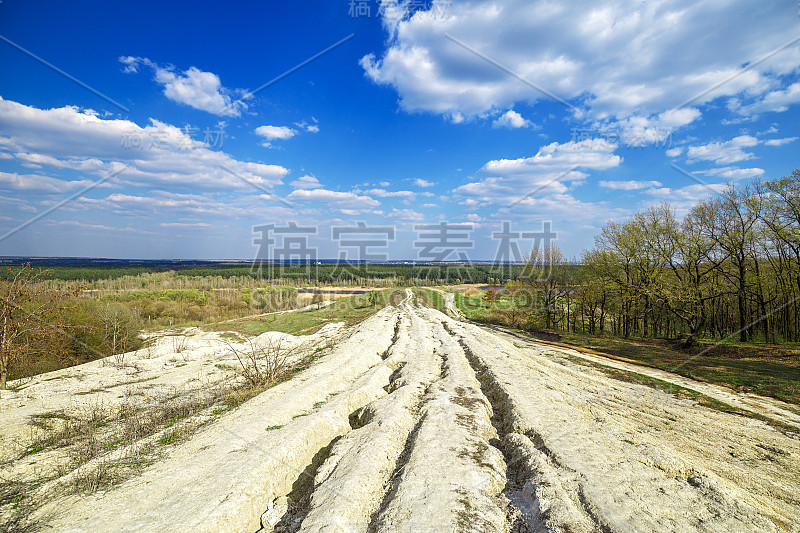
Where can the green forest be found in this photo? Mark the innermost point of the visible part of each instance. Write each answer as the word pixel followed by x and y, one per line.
pixel 728 268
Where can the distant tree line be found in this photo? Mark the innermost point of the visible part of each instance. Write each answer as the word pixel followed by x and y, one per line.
pixel 730 267
pixel 298 274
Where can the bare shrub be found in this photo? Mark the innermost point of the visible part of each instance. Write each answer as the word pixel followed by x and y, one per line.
pixel 318 299
pixel 149 348
pixel 262 363
pixel 119 359
pixel 17 519
pixel 180 343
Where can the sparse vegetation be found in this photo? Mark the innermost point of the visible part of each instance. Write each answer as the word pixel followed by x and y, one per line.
pixel 29 319
pixel 264 362
pixel 179 343
pixel 350 309
pixel 100 446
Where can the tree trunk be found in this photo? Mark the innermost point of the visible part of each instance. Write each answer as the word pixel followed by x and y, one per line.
pixel 742 305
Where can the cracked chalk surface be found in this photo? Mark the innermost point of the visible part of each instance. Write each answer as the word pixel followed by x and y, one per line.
pixel 413 421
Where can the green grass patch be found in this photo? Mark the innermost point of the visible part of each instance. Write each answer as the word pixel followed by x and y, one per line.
pixel 350 309
pixel 761 369
pixel 173 437
pixel 435 299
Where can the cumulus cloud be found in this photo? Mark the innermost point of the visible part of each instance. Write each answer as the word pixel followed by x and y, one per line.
pixel 311 128
pixel 193 87
pixel 383 193
pixel 185 225
pixel 546 173
pixel 185 205
pixel 423 183
pixel 275 132
pixel 306 182
pixel 691 193
pixel 349 200
pixel 157 154
pixel 734 173
pixel 775 101
pixel 512 120
pixel 725 152
pixel 271 133
pixel 564 208
pixel 405 215
pixel 628 185
pixel 611 58
pixel 780 142
pixel 97 227
pixel 640 131
pixel 39 184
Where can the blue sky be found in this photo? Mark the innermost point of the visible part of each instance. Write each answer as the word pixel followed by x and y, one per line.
pixel 477 112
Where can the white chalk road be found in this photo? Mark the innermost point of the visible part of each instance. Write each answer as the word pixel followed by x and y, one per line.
pixel 413 421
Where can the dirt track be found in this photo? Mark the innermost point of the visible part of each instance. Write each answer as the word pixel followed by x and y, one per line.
pixel 417 422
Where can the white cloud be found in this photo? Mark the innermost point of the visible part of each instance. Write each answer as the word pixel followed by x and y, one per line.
pixel 166 203
pixel 690 193
pixel 509 181
pixel 405 215
pixel 423 183
pixel 275 132
pixel 192 87
pixel 16 204
pixel 306 182
pixel 780 142
pixel 333 198
pixel 726 152
pixel 511 119
pixel 734 173
pixel 96 227
pixel 157 154
pixel 271 133
pixel 674 152
pixel 311 128
pixel 617 59
pixel 562 208
pixel 776 101
pixel 383 193
pixel 629 185
pixel 184 225
pixel 742 173
pixel 640 131
pixel 41 184
pixel 590 153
